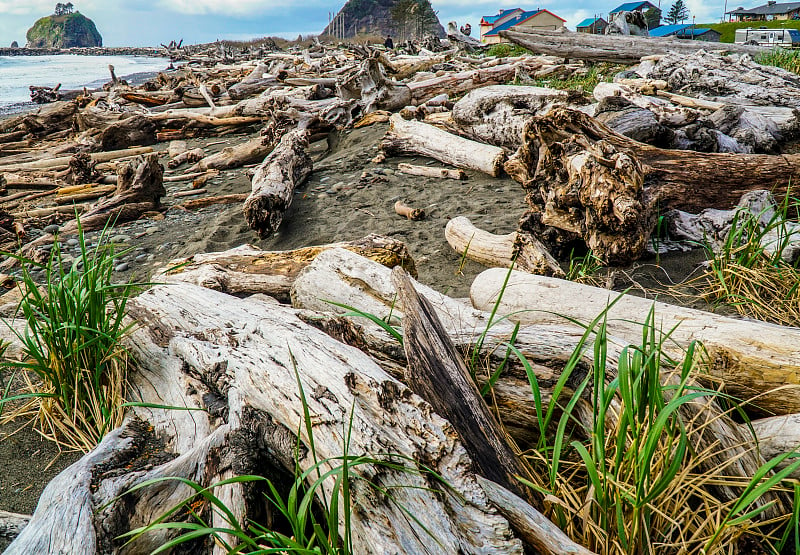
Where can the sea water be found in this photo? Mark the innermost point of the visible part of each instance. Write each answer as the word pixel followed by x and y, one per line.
pixel 17 73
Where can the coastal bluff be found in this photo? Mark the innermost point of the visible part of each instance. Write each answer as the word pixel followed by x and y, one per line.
pixel 64 29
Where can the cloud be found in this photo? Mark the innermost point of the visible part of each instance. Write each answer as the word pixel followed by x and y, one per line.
pixel 14 7
pixel 229 7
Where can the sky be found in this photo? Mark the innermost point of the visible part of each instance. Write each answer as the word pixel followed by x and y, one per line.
pixel 150 22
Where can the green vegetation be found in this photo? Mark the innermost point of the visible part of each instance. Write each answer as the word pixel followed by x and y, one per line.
pixel 780 57
pixel 505 50
pixel 750 276
pixel 583 83
pixel 64 31
pixel 728 30
pixel 72 343
pixel 678 13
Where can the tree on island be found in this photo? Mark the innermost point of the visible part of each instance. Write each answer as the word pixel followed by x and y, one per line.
pixel 64 9
pixel 678 13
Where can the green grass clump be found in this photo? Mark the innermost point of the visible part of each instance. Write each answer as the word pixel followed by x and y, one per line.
pixel 781 57
pixel 72 343
pixel 748 272
pixel 505 50
pixel 728 30
pixel 584 83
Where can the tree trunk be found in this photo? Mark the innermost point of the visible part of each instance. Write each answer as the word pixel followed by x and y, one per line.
pixel 235 156
pixel 749 358
pixel 275 181
pixel 413 137
pixel 613 49
pixel 373 89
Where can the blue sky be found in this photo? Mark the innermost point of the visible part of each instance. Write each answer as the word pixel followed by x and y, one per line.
pixel 143 22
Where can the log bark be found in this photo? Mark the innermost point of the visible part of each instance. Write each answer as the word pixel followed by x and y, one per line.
pixel 427 171
pixel 587 180
pixel 613 49
pixel 248 270
pixel 413 137
pixel 134 131
pixel 274 183
pixel 437 373
pixel 521 250
pixel 749 358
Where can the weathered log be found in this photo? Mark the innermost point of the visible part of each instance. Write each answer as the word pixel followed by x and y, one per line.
pixel 497 114
pixel 462 82
pixel 62 162
pixel 251 373
pixel 11 524
pixel 249 152
pixel 235 198
pixel 413 137
pixel 248 270
pixel 402 209
pixel 133 131
pixel 427 171
pixel 437 373
pixel 612 49
pixel 711 227
pixel 371 87
pixel 587 180
pixel 187 156
pixel 519 249
pixel 275 181
pixel 749 358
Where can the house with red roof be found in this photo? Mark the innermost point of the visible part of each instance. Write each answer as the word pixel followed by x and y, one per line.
pixel 517 18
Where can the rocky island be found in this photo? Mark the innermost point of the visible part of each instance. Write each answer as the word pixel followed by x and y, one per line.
pixel 65 28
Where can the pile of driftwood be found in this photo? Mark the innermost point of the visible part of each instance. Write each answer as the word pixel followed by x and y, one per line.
pixel 221 335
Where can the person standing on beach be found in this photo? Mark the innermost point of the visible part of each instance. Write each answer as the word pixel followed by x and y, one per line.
pixel 389 43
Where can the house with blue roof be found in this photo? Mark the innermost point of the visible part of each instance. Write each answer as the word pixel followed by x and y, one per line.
pixel 632 7
pixel 517 18
pixel 686 31
pixel 592 26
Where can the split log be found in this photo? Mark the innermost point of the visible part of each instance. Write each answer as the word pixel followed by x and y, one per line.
pixel 413 137
pixel 518 249
pixel 249 152
pixel 438 374
pixel 592 183
pixel 248 270
pixel 371 87
pixel 749 358
pixel 275 181
pixel 427 171
pixel 613 49
pixel 252 372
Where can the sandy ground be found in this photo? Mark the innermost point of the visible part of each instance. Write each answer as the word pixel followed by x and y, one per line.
pixel 336 204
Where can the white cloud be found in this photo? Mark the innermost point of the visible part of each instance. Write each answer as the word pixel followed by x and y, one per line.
pixel 227 7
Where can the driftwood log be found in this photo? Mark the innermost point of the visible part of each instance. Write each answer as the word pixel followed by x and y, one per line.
pixel 413 137
pixel 519 249
pixel 274 183
pixel 247 270
pixel 371 87
pixel 752 360
pixel 597 185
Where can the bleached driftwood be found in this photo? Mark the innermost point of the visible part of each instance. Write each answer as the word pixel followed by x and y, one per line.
pixel 522 250
pixel 274 183
pixel 749 358
pixel 413 137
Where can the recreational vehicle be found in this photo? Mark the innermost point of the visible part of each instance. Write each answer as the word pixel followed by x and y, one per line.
pixel 786 38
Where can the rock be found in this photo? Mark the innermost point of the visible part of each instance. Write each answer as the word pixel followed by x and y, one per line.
pixel 120 239
pixel 64 31
pixel 52 228
pixel 72 242
pixel 14 44
pixel 121 267
pixel 375 17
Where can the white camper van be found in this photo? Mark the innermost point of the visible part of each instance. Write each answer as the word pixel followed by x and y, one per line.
pixel 786 38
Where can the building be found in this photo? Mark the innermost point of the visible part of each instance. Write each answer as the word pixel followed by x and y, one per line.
pixel 632 7
pixel 686 31
pixel 768 12
pixel 593 26
pixel 517 18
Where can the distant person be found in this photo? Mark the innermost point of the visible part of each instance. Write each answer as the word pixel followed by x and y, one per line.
pixel 466 29
pixel 389 43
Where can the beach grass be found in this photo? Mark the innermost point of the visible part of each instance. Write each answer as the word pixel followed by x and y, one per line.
pixel 72 344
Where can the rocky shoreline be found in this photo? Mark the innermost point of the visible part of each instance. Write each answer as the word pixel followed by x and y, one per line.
pixel 88 51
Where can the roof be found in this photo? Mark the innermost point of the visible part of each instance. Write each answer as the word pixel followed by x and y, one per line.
pixel 489 19
pixel 630 6
pixel 589 21
pixel 769 9
pixel 668 30
pixel 696 32
pixel 522 18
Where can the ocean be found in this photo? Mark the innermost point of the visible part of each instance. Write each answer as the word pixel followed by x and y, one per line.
pixel 17 73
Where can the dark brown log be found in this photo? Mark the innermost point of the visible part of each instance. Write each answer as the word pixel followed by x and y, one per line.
pixel 274 183
pixel 134 131
pixel 589 181
pixel 437 373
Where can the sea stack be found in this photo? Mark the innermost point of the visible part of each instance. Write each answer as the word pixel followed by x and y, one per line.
pixel 401 19
pixel 65 28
